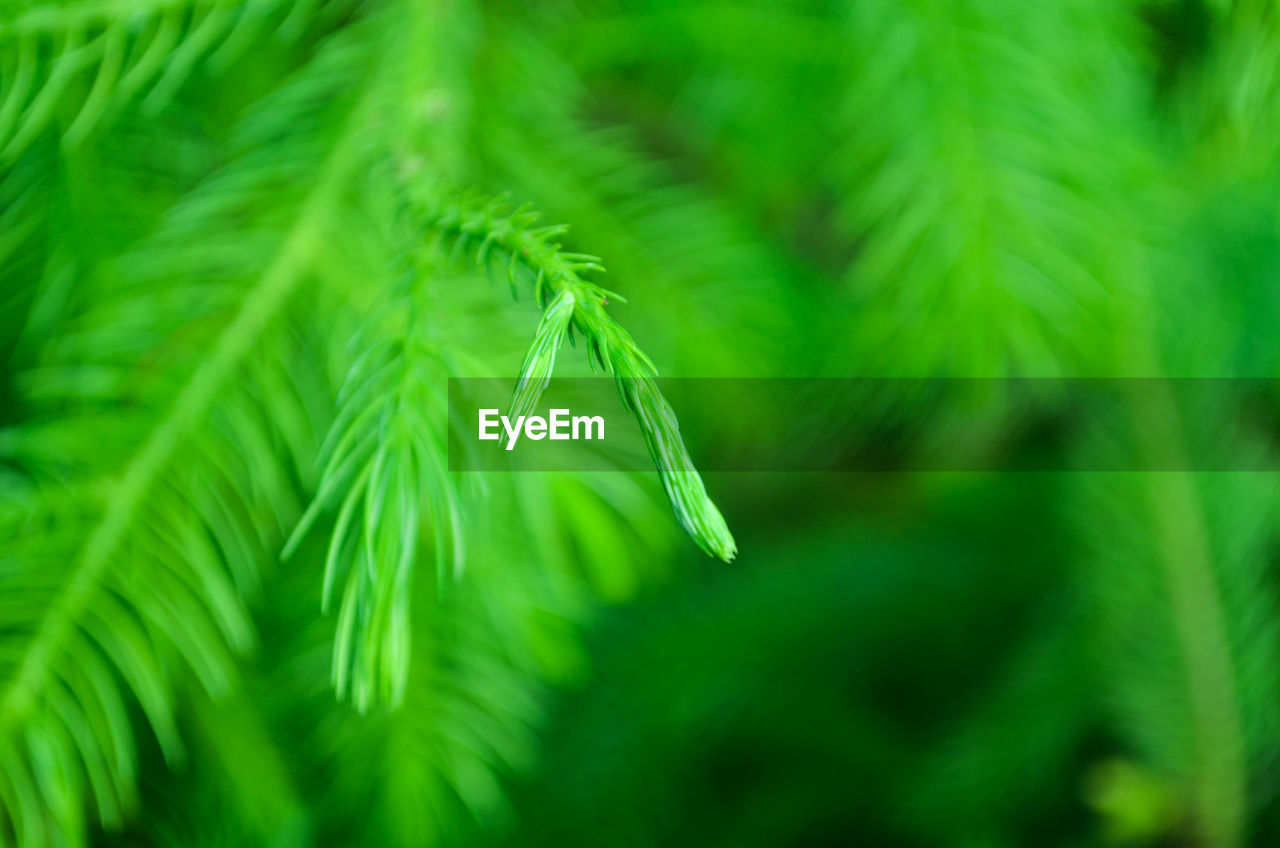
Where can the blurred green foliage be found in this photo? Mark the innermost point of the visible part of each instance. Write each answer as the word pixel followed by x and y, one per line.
pixel 244 243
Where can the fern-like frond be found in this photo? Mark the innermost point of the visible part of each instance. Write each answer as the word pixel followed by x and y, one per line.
pixel 1229 97
pixel 76 62
pixel 1184 621
pixel 89 630
pixel 149 578
pixel 969 136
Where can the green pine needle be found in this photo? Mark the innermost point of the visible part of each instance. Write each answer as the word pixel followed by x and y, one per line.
pixel 575 302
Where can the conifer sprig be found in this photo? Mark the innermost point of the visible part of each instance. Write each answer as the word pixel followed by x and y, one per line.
pixel 569 301
pixel 384 475
pixel 84 61
pixel 540 360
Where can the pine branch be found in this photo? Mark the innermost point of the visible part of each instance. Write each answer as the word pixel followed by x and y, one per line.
pixel 88 58
pixel 968 181
pixel 471 704
pixel 556 276
pixel 1182 598
pixel 1229 96
pixel 147 581
pixel 277 284
pixel 384 472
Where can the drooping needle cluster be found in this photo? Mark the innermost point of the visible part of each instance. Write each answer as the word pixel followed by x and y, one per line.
pixel 570 302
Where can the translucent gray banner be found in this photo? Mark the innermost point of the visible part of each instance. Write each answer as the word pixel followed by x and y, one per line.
pixel 882 425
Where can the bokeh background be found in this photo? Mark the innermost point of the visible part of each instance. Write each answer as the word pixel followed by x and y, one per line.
pixel 213 213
